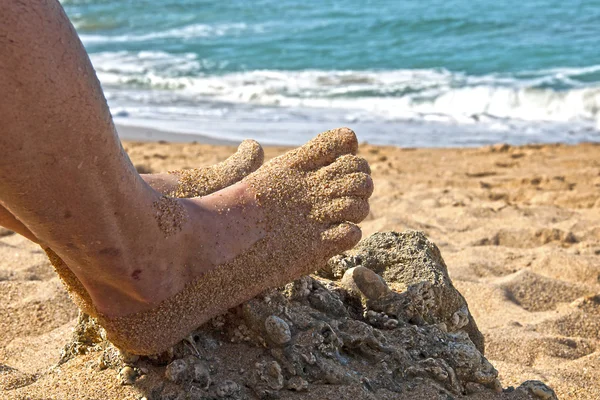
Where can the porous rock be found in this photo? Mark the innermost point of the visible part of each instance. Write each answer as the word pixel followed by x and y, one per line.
pixel 177 371
pixel 227 389
pixel 405 334
pixel 413 266
pixel 188 369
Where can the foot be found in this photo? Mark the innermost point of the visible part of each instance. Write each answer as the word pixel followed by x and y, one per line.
pixel 212 253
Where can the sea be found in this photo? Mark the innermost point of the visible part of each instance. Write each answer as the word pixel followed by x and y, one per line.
pixel 439 73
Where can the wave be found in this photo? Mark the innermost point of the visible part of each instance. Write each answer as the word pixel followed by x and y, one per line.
pixel 557 95
pixel 183 33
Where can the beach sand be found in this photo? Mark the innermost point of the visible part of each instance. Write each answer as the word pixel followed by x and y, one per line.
pixel 518 227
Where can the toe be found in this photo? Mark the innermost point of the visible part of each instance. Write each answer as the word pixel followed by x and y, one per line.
pixel 346 164
pixel 357 184
pixel 323 149
pixel 204 181
pixel 248 158
pixel 340 238
pixel 353 209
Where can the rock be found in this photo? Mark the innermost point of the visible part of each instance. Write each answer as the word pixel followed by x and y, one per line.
pixel 277 330
pixel 269 375
pixel 297 384
pixel 390 326
pixel 327 302
pixel 412 266
pixel 188 369
pixel 127 375
pixel 538 390
pixel 199 371
pixel 364 283
pixel 227 388
pixel 177 371
pixel 300 288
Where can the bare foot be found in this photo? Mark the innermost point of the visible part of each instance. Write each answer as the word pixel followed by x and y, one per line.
pixel 281 222
pixel 183 183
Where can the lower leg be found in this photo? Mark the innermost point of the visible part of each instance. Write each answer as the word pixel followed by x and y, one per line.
pixel 65 176
pixel 9 221
pixel 183 183
pixel 63 172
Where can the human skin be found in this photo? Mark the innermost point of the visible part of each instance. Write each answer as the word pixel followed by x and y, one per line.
pixel 65 176
pixel 206 180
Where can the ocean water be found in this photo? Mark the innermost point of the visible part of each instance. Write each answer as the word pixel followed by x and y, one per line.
pixel 408 73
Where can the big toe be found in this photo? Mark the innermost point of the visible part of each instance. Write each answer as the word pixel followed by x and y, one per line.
pixel 248 158
pixel 324 149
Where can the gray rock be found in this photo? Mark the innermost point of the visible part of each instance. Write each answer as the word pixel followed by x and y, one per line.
pixel 227 388
pixel 127 375
pixel 277 330
pixel 364 283
pixel 415 268
pixel 297 384
pixel 411 336
pixel 268 373
pixel 188 369
pixel 538 390
pixel 177 371
pixel 199 372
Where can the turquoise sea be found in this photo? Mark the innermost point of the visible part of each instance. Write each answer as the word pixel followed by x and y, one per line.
pixel 409 73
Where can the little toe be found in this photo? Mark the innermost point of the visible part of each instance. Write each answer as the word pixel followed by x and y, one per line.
pixel 353 209
pixel 356 184
pixel 345 164
pixel 340 238
pixel 323 149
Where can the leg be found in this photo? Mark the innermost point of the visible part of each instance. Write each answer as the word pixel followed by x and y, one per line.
pixel 149 262
pixel 9 221
pixel 60 149
pixel 184 183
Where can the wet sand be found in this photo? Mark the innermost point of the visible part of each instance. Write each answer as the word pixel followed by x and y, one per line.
pixel 519 228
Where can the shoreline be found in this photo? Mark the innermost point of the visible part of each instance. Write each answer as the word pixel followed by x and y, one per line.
pixel 142 134
pixel 132 133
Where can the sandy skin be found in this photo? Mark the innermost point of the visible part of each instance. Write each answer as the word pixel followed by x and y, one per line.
pixel 181 183
pixel 297 210
pixel 131 247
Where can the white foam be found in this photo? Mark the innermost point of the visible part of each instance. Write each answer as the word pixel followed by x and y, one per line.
pixel 434 95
